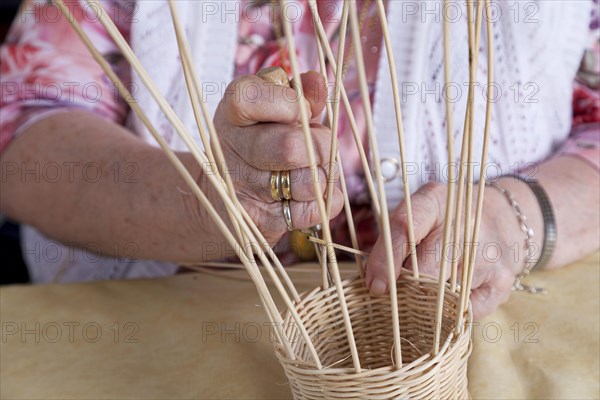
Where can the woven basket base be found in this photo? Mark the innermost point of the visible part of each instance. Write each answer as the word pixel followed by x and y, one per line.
pixel 422 375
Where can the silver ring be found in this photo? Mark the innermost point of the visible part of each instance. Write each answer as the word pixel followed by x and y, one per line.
pixel 287 214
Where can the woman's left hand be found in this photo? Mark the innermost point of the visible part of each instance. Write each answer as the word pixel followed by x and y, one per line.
pixel 495 264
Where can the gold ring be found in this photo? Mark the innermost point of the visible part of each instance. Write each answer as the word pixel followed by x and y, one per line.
pixel 275 185
pixel 285 185
pixel 287 215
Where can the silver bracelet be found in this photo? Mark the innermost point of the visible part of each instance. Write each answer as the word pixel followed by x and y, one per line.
pixel 529 246
pixel 549 221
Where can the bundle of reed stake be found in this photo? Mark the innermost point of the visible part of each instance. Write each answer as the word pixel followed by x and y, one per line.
pixel 339 341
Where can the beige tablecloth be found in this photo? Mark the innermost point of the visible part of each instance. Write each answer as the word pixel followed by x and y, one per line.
pixel 202 336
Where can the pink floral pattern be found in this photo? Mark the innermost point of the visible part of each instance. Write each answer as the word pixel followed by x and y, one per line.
pixel 45 68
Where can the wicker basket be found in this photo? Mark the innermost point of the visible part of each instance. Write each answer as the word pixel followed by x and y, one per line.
pixel 422 376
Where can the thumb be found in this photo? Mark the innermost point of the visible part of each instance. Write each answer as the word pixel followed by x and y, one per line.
pixel 314 87
pixel 315 91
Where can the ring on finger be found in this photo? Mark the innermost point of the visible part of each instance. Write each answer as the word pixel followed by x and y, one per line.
pixel 285 185
pixel 275 183
pixel 287 214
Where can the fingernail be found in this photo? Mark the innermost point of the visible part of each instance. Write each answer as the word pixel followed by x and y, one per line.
pixel 378 287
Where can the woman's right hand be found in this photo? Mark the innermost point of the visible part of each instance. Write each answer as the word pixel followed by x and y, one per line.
pixel 258 124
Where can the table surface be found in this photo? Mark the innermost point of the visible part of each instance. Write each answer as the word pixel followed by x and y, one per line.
pixel 204 336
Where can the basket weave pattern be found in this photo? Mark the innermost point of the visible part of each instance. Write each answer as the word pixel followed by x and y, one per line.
pixel 422 376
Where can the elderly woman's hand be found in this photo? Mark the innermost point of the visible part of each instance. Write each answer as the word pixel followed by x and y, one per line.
pixel 258 124
pixel 495 264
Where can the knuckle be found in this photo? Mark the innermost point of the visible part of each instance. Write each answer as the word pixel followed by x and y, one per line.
pixel 235 103
pixel 435 192
pixel 308 182
pixel 401 217
pixel 289 148
pixel 307 214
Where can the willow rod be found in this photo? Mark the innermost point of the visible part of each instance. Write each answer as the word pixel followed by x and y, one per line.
pixel 334 116
pixel 322 251
pixel 385 220
pixel 450 187
pixel 459 202
pixel 340 247
pixel 463 153
pixel 302 267
pixel 334 123
pixel 310 152
pixel 467 244
pixel 469 164
pixel 488 119
pixel 401 141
